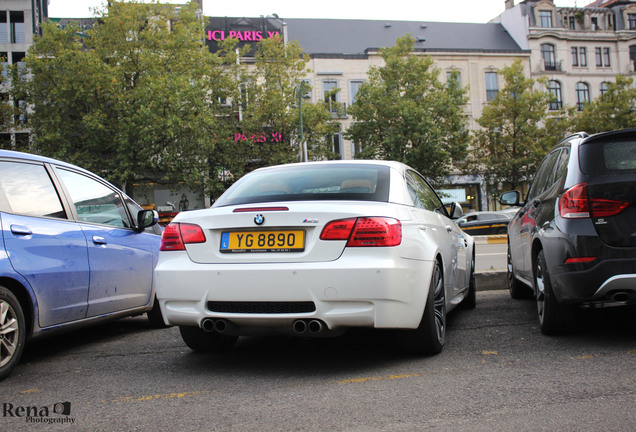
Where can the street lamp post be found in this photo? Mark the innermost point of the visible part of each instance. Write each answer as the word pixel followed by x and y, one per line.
pixel 300 89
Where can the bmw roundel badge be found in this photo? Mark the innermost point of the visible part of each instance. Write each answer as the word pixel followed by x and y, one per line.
pixel 259 219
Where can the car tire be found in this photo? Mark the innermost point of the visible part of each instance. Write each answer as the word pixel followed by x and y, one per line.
pixel 430 335
pixel 155 317
pixel 518 290
pixel 470 301
pixel 554 318
pixel 12 331
pixel 199 340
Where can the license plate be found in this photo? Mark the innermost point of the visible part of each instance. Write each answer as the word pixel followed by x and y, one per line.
pixel 263 241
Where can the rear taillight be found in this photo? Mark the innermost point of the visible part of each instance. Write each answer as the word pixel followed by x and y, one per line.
pixel 176 235
pixel 575 203
pixel 365 231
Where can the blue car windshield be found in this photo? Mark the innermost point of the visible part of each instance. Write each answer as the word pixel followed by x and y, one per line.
pixel 310 183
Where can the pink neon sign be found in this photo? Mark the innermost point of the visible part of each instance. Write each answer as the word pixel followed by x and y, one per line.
pixel 255 36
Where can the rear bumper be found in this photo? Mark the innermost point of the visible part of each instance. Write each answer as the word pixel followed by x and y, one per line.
pixel 348 292
pixel 611 281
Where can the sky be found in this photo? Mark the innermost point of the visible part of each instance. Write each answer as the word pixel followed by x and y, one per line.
pixel 476 11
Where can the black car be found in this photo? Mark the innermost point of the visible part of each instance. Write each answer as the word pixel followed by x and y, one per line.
pixel 484 223
pixel 574 240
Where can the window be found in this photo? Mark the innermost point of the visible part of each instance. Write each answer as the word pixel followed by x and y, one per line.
pixel 602 57
pixel 4 28
pixel 547 54
pixel 16 19
pixel 455 76
pixel 582 56
pixel 631 21
pixel 329 90
pixel 632 56
pixel 492 86
pixel 545 19
pixel 354 86
pixel 95 202
pixel 582 95
pixel 604 87
pixel 422 194
pixel 554 90
pixel 40 199
pixel 579 56
pixel 336 140
pixel 575 56
pixel 545 175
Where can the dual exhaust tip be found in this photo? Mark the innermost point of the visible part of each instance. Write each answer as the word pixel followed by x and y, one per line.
pixel 221 325
pixel 313 326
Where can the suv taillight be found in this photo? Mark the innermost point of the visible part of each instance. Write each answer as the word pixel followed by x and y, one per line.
pixel 176 235
pixel 364 231
pixel 575 203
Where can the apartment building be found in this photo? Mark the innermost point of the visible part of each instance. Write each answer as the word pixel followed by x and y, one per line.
pixel 579 50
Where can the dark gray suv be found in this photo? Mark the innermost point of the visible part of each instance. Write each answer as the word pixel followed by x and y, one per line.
pixel 573 242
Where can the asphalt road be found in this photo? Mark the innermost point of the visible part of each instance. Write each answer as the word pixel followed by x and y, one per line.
pixel 497 372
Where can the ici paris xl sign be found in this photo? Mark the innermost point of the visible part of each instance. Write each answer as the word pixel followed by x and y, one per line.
pixel 255 36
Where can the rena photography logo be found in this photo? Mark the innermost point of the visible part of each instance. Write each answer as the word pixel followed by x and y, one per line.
pixel 58 413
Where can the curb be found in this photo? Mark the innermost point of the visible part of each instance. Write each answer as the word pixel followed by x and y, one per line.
pixel 491 239
pixel 487 281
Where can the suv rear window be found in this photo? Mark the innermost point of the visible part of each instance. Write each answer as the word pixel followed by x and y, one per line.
pixel 600 157
pixel 310 183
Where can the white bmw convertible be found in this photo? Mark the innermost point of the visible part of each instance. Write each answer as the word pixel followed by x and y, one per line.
pixel 314 249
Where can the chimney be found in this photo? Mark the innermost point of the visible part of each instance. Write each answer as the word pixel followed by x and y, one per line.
pixel 510 4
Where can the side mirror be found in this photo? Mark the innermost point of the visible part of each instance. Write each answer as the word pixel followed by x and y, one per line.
pixel 146 218
pixel 510 198
pixel 456 210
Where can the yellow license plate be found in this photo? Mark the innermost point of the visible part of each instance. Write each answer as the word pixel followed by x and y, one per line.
pixel 263 241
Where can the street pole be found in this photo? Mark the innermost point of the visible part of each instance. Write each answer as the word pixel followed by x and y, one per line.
pixel 303 145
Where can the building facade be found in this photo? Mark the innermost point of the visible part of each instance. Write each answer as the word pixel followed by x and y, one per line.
pixel 579 50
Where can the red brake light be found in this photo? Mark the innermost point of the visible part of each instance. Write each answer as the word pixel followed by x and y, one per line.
pixel 603 207
pixel 365 231
pixel 575 203
pixel 338 230
pixel 176 235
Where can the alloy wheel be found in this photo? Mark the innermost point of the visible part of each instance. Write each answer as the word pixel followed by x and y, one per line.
pixel 9 332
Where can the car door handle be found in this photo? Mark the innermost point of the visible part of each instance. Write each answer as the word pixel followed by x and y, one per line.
pixel 21 230
pixel 99 240
pixel 449 228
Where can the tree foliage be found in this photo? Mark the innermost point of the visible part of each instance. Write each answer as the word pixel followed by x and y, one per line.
pixel 6 109
pixel 517 129
pixel 263 109
pixel 615 109
pixel 404 112
pixel 133 98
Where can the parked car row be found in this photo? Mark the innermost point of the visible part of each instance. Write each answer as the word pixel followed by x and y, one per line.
pixel 310 250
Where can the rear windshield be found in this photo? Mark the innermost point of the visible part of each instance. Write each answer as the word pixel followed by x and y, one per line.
pixel 600 157
pixel 310 183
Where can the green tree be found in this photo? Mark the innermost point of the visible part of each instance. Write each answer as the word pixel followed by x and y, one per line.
pixel 516 129
pixel 615 109
pixel 403 112
pixel 6 108
pixel 134 99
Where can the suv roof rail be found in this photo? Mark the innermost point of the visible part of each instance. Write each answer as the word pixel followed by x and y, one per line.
pixel 575 135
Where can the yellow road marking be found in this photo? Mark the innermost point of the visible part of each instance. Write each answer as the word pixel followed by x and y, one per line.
pixel 158 396
pixel 380 378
